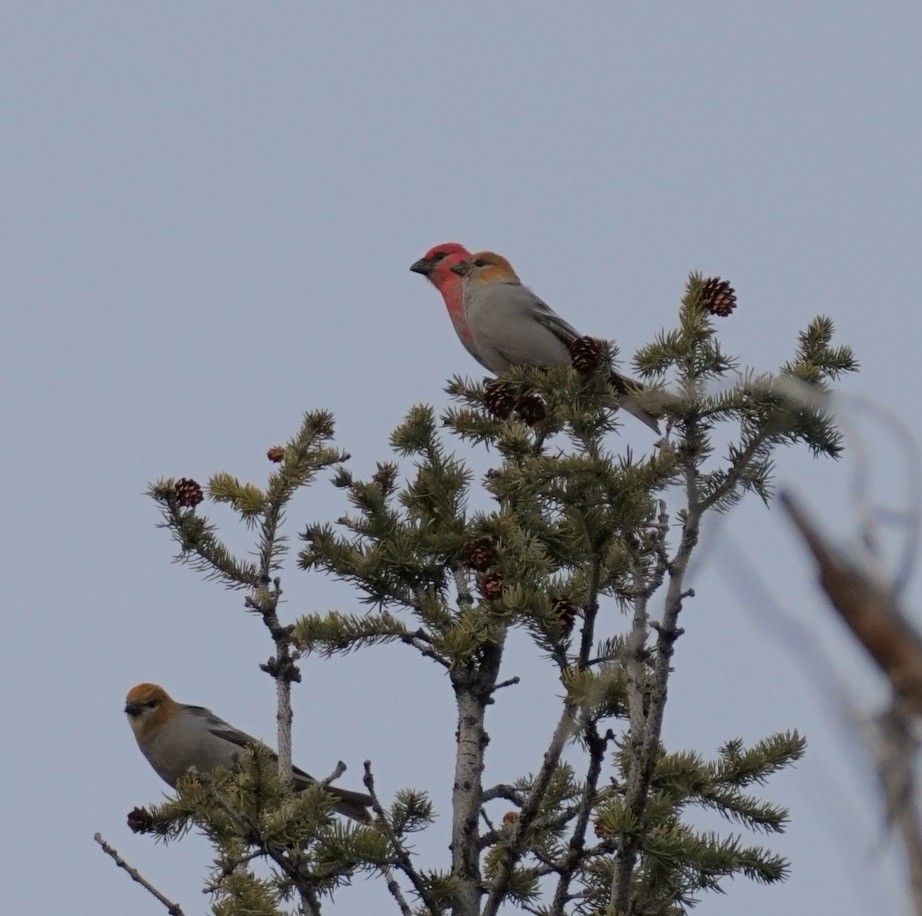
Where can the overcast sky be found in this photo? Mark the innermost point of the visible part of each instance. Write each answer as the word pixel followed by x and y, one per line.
pixel 208 214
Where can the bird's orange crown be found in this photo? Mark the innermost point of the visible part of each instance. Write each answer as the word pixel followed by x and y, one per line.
pixel 487 267
pixel 142 694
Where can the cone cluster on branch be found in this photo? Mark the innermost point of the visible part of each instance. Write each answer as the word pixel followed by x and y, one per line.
pixel 481 554
pixel 502 399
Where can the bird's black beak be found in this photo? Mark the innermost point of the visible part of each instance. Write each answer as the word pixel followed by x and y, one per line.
pixel 422 266
pixel 132 709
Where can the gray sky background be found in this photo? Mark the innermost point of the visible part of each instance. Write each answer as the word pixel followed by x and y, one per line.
pixel 209 210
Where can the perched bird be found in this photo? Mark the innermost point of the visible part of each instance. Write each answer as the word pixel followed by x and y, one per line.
pixel 174 737
pixel 435 265
pixel 511 326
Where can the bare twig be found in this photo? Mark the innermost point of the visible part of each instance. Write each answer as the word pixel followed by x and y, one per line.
pixel 509 793
pixel 395 891
pixel 173 909
pixel 587 639
pixel 338 771
pixel 403 860
pixel 509 682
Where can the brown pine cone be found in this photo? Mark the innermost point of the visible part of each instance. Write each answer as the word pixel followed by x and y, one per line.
pixel 491 586
pixel 187 492
pixel 479 553
pixel 140 820
pixel 586 353
pixel 275 454
pixel 718 297
pixel 566 612
pixel 500 399
pixel 532 409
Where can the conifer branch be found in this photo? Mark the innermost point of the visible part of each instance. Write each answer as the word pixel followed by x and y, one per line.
pixel 199 546
pixel 738 468
pixel 247 827
pixel 333 633
pixel 645 744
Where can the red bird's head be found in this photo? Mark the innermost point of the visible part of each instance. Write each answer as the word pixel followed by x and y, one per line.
pixel 435 265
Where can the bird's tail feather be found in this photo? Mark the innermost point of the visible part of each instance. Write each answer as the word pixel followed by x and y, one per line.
pixel 352 804
pixel 631 392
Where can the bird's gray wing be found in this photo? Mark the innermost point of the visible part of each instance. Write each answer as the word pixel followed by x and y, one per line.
pixel 547 317
pixel 221 729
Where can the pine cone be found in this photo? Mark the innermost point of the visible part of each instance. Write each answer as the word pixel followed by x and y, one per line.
pixel 187 492
pixel 566 612
pixel 275 454
pixel 510 819
pixel 479 553
pixel 532 409
pixel 718 297
pixel 491 586
pixel 586 353
pixel 499 399
pixel 140 820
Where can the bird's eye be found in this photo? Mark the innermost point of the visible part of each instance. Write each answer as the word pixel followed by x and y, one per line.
pixel 480 263
pixel 152 704
pixel 439 255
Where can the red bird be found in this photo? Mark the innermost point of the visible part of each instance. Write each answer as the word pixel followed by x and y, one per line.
pixel 435 265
